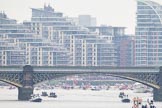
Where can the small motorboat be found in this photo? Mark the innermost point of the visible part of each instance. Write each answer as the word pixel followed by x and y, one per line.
pixel 52 94
pixel 121 94
pixel 125 99
pixel 35 98
pixel 44 94
pixel 95 88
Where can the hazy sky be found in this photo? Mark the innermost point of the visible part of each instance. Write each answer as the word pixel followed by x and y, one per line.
pixel 107 12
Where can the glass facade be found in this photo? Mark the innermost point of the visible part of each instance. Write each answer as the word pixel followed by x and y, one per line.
pixel 148 41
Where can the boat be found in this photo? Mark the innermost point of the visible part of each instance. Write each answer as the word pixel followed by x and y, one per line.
pixel 125 99
pixel 52 94
pixel 140 88
pixel 44 94
pixel 11 87
pixel 95 88
pixel 35 98
pixel 121 94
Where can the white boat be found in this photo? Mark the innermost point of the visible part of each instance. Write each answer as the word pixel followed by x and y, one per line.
pixel 140 88
pixel 35 98
pixel 95 88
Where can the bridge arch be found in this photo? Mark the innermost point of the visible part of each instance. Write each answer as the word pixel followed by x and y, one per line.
pixel 137 80
pixel 11 83
pixel 52 77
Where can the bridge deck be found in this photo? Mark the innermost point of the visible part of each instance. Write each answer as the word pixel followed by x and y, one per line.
pixel 82 69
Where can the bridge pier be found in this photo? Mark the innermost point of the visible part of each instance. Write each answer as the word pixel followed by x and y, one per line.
pixel 24 93
pixel 157 93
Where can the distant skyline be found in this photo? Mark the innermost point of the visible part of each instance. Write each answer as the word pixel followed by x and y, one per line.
pixel 108 12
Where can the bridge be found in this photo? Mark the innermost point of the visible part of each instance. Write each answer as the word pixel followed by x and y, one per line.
pixel 25 77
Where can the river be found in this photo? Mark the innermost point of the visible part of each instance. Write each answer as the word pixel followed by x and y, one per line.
pixel 73 99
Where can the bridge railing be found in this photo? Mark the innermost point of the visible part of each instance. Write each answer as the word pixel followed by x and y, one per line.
pixel 82 69
pixel 97 69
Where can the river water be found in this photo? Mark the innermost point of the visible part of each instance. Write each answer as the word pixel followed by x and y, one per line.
pixel 73 99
